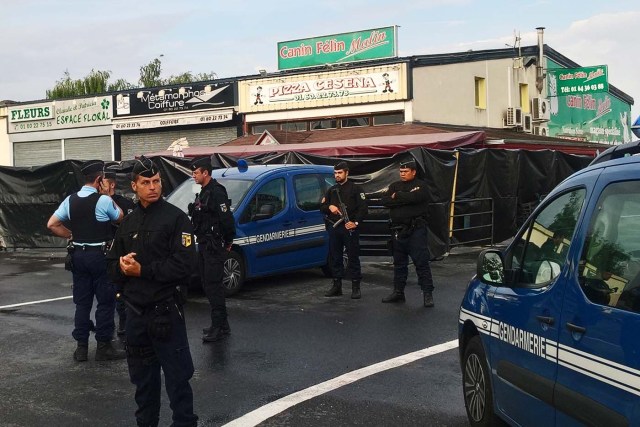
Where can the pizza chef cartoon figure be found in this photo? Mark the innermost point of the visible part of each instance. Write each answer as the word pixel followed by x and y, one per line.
pixel 387 83
pixel 258 96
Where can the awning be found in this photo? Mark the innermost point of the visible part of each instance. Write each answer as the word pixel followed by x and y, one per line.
pixel 374 146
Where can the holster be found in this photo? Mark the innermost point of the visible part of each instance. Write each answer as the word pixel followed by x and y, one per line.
pixel 68 260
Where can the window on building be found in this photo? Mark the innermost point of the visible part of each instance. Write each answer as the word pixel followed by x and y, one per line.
pixel 258 129
pixel 524 98
pixel 324 124
pixel 481 92
pixel 354 122
pixel 388 119
pixel 294 126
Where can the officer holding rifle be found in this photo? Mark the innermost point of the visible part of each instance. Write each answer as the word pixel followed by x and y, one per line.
pixel 344 208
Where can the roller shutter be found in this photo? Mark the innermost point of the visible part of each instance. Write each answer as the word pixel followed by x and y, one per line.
pixel 37 153
pixel 136 144
pixel 97 147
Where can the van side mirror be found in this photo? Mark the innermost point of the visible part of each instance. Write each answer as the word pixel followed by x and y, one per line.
pixel 490 267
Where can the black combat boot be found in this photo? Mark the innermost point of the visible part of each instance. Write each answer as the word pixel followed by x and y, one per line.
pixel 355 289
pixel 428 299
pixel 395 296
pixel 106 351
pixel 336 289
pixel 215 334
pixel 226 329
pixel 82 352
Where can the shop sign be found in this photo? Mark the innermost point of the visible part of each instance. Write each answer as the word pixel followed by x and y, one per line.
pixel 357 86
pixel 56 115
pixel 173 120
pixel 338 48
pixel 190 97
pixel 593 117
pixel 578 81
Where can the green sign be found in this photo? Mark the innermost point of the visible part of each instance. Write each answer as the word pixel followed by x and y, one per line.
pixel 338 48
pixel 577 81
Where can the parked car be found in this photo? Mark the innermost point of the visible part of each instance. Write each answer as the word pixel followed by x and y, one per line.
pixel 549 327
pixel 279 226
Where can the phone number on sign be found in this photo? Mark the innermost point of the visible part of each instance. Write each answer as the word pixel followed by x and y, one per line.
pixel 321 95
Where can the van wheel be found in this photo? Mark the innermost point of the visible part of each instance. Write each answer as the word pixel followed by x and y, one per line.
pixel 233 273
pixel 476 385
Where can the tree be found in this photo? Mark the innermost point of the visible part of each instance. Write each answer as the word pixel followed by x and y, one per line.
pixel 150 74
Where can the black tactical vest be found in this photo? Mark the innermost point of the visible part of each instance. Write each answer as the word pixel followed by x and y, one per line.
pixel 84 225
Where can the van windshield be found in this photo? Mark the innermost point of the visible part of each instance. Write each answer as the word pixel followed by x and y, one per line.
pixel 186 192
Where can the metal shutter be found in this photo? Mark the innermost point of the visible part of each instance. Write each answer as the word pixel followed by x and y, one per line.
pixel 142 143
pixel 37 153
pixel 96 147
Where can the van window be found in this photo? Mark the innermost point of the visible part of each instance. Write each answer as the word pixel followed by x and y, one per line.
pixel 542 249
pixel 609 268
pixel 270 198
pixel 308 190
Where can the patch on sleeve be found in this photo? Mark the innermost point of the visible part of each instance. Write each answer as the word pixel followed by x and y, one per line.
pixel 223 207
pixel 362 196
pixel 186 240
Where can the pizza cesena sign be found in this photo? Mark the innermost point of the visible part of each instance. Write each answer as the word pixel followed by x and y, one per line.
pixel 56 115
pixel 190 97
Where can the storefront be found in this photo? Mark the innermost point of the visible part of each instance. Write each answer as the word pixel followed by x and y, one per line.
pixel 48 132
pixel 173 117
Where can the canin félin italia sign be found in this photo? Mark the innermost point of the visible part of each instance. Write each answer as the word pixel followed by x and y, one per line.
pixel 338 48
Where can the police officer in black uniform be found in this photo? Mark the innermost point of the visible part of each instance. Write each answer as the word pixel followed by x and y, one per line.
pixel 407 202
pixel 89 215
pixel 215 228
pixel 343 228
pixel 152 257
pixel 127 206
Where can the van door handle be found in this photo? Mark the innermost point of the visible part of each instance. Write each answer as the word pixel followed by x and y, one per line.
pixel 576 328
pixel 287 223
pixel 546 319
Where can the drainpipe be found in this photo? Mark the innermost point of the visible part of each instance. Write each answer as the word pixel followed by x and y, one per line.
pixel 540 68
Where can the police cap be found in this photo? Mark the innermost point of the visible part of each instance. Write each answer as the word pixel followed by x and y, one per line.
pixel 202 162
pixel 144 167
pixel 408 164
pixel 342 166
pixel 91 167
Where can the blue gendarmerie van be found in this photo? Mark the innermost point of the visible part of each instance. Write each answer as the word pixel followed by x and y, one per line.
pixel 279 226
pixel 549 329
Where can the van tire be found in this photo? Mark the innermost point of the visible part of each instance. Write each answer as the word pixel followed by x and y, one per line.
pixel 234 273
pixel 476 386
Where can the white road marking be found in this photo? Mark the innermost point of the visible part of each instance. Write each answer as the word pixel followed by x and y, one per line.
pixel 34 302
pixel 267 411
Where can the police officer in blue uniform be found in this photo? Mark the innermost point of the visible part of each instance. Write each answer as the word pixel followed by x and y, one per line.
pixel 407 203
pixel 152 257
pixel 215 229
pixel 127 206
pixel 89 215
pixel 344 207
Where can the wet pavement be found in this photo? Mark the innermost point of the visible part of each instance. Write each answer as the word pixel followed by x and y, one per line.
pixel 285 337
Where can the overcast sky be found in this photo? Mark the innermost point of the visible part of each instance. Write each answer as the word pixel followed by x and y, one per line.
pixel 43 38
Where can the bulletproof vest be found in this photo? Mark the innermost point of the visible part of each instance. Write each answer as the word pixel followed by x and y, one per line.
pixel 84 225
pixel 205 221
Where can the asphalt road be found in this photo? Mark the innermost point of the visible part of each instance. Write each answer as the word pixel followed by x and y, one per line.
pixel 286 338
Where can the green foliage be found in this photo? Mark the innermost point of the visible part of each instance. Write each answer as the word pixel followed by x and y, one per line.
pixel 97 82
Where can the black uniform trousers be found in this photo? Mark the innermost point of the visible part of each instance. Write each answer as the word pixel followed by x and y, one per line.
pixel 211 258
pixel 340 238
pixel 146 355
pixel 414 246
pixel 90 280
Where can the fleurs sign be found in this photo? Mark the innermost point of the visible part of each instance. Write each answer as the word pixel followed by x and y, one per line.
pixel 338 48
pixel 357 86
pixel 54 115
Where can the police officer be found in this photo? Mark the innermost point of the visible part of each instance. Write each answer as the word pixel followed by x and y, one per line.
pixel 215 228
pixel 407 203
pixel 127 206
pixel 152 257
pixel 89 215
pixel 342 225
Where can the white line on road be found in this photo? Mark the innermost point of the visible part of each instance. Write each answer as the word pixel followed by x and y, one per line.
pixel 34 302
pixel 267 411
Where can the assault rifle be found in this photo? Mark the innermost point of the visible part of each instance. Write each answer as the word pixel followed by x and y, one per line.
pixel 343 210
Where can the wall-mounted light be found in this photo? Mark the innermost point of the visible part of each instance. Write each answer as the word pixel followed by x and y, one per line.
pixel 181 91
pixel 140 94
pixel 207 88
pixel 119 97
pixel 161 92
pixel 262 72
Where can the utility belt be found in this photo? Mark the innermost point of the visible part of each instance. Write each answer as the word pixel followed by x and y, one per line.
pixel 402 231
pixel 158 314
pixel 74 246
